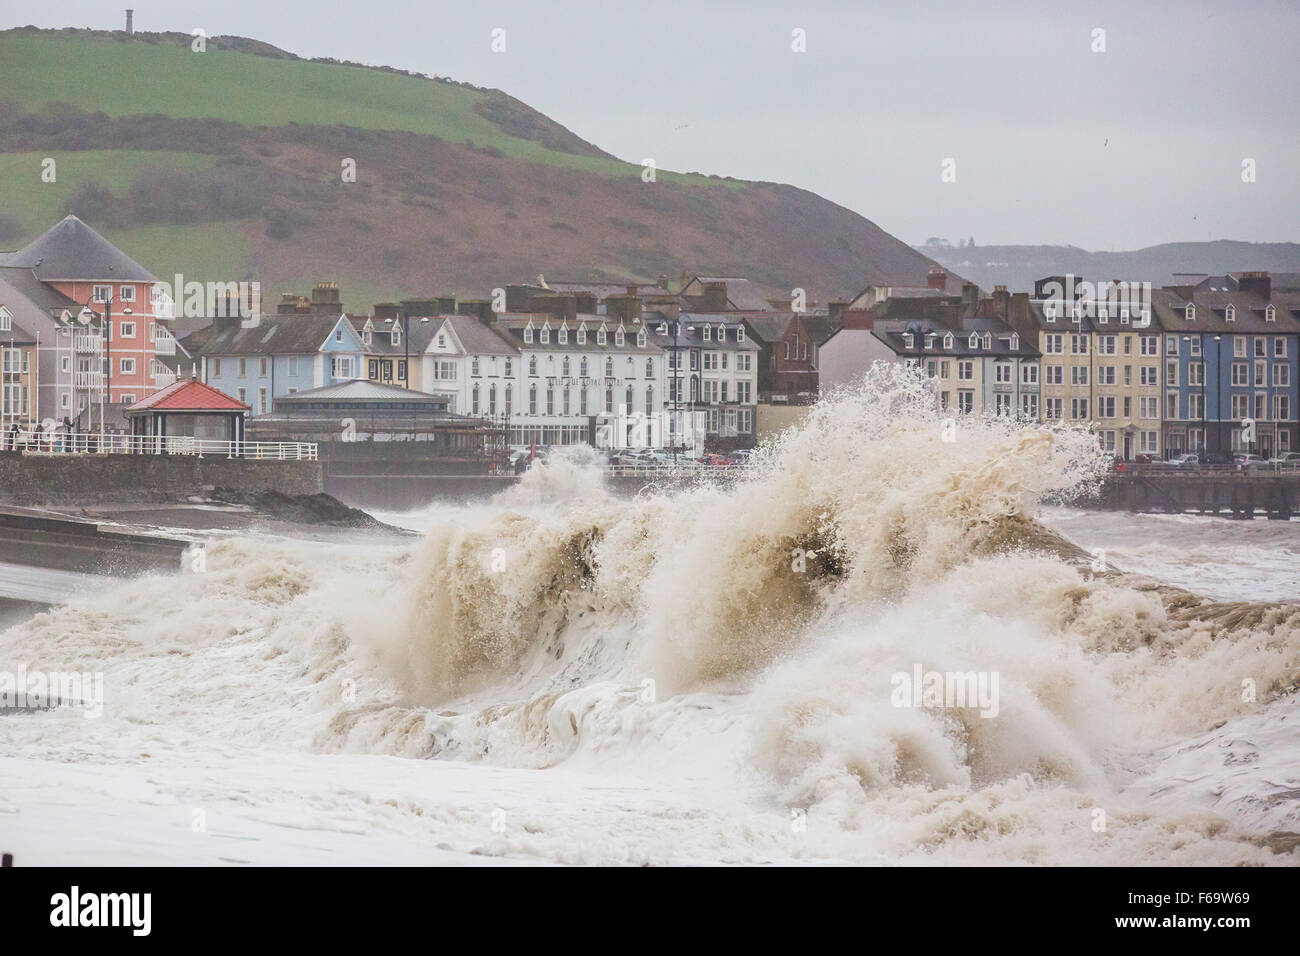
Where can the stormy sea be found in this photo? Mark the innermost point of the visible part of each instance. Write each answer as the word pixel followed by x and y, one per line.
pixel 707 673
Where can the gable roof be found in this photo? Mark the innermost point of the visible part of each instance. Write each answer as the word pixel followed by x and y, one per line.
pixel 71 250
pixel 478 339
pixel 1212 298
pixel 274 335
pixel 743 294
pixel 188 395
pixel 892 331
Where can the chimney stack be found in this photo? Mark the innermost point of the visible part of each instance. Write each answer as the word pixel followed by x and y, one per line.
pixel 715 297
pixel 1259 283
pixel 937 278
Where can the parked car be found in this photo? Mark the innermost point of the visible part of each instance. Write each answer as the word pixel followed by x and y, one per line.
pixel 715 460
pixel 1286 458
pixel 1187 459
pixel 1246 460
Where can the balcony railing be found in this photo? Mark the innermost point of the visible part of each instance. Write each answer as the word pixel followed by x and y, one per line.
pixel 164 344
pixel 88 342
pixel 87 379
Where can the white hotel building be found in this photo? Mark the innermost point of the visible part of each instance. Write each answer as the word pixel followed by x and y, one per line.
pixel 554 380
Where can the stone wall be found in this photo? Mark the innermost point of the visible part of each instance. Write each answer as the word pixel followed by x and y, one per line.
pixel 89 479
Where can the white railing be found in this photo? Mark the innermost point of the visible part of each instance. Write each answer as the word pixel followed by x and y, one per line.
pixel 88 342
pixel 33 441
pixel 87 379
pixel 163 343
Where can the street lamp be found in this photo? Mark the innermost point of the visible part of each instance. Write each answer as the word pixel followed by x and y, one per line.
pixel 677 382
pixel 406 346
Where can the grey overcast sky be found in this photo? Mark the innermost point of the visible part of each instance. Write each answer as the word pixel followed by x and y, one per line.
pixel 1053 143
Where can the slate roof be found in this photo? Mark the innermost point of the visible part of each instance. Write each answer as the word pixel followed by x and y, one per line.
pixel 768 327
pixel 1065 321
pixel 71 250
pixel 274 335
pixel 477 338
pixel 188 395
pixel 20 282
pixel 743 294
pixel 1212 302
pixel 510 326
pixel 891 332
pixel 692 331
pixel 381 339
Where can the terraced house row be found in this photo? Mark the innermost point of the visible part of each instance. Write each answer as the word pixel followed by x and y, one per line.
pixel 553 368
pixel 1206 365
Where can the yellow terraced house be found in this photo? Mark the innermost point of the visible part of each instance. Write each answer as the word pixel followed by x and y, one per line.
pixel 1101 365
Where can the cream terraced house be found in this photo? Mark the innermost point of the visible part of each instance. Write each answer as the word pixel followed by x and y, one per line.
pixel 1101 365
pixel 982 367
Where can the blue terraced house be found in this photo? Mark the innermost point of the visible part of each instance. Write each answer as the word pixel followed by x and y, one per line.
pixel 280 355
pixel 1230 364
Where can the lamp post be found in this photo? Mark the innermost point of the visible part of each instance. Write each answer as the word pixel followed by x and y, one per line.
pixel 406 346
pixel 676 367
pixel 85 317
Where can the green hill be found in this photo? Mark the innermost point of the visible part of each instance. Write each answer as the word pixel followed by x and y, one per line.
pixel 225 164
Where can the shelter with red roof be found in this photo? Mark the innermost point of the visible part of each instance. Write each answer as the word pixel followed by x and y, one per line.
pixel 189 408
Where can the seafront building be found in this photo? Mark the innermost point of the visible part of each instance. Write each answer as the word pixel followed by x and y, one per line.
pixel 1229 377
pixel 97 323
pixel 1207 364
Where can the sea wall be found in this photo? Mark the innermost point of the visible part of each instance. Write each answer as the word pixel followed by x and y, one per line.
pixel 88 479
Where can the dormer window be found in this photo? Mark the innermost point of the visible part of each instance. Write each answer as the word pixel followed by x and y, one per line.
pixel 365 336
pixel 582 334
pixel 974 341
pixel 546 334
pixel 1049 311
pixel 640 339
pixel 1123 316
pixel 1076 315
pixel 6 320
pixel 722 333
pixel 396 335
pixel 1270 314
pixel 929 340
pixel 948 342
pixel 600 335
pixel 740 333
pixel 988 340
pixel 1103 316
pixel 1015 342
pixel 564 335
pixel 618 336
pixel 1189 313
pixel 1230 313
pixel 528 333
pixel 708 333
pixel 909 340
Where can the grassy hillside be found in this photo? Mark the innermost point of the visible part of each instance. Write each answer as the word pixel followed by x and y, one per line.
pixel 226 165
